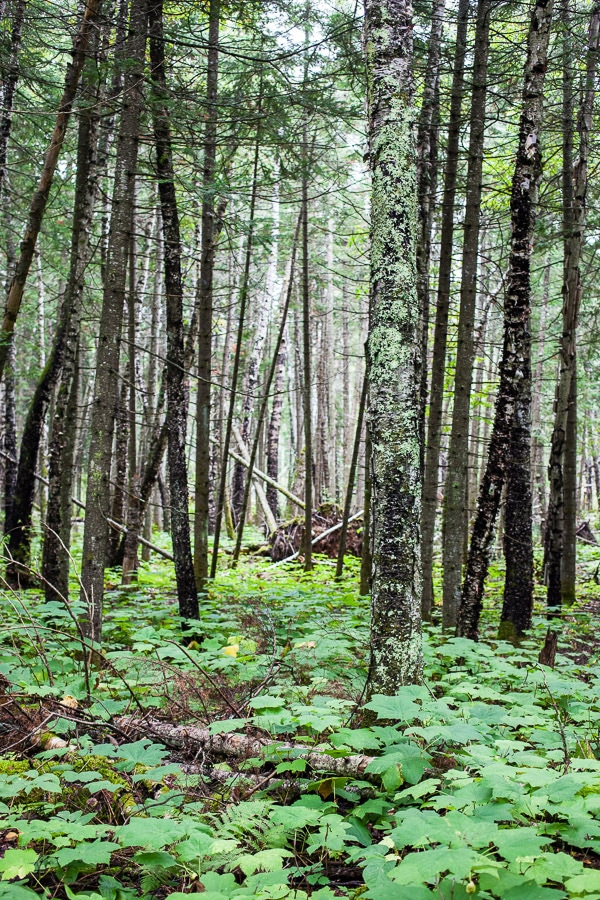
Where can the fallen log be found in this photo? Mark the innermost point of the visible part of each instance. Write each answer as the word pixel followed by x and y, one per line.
pixel 241 746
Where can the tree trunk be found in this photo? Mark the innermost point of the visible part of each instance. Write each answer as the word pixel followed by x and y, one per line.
pixel 537 450
pixel 440 337
pixel 393 353
pixel 568 569
pixel 244 291
pixel 574 205
pixel 275 427
pixel 10 84
pixel 203 401
pixel 176 400
pixel 511 411
pixel 40 197
pixel 265 401
pixel 306 362
pixel 95 538
pixel 455 492
pixel 427 147
pixel 351 478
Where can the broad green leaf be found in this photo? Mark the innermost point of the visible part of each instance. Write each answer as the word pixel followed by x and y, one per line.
pixel 96 853
pixel 17 863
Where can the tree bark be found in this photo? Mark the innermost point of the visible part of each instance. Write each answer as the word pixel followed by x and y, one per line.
pixel 351 478
pixel 427 151
pixel 244 291
pixel 187 595
pixel 455 491
pixel 511 410
pixel 64 344
pixel 440 336
pixel 575 195
pixel 95 538
pixel 10 85
pixel 393 352
pixel 203 401
pixel 306 362
pixel 40 197
pixel 265 400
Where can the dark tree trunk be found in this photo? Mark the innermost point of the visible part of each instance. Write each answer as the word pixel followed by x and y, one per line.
pixel 202 481
pixel 63 348
pixel 440 336
pixel 95 539
pixel 10 84
pixel 118 503
pixel 40 197
pixel 351 478
pixel 393 353
pixel 275 428
pixel 306 366
pixel 574 206
pixel 427 162
pixel 244 291
pixel 176 398
pixel 455 491
pixel 57 533
pixel 512 412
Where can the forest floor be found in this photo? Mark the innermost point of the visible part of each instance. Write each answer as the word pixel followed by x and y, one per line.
pixel 483 781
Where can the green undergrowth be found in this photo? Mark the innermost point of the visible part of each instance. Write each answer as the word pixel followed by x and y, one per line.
pixel 483 781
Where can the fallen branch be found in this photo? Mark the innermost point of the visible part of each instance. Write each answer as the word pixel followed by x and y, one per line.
pixel 318 538
pixel 266 478
pixel 241 746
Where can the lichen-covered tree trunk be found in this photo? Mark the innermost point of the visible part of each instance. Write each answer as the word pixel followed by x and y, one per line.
pixel 455 492
pixel 440 334
pixel 511 401
pixel 187 595
pixel 393 352
pixel 95 538
pixel 575 219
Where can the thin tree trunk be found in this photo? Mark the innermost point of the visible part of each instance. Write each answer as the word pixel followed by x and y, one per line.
pixel 131 561
pixel 575 192
pixel 265 401
pixel 455 493
pixel 537 463
pixel 440 337
pixel 393 353
pixel 427 147
pixel 95 538
pixel 203 401
pixel 176 400
pixel 40 197
pixel 9 86
pixel 511 410
pixel 568 569
pixel 351 477
pixel 275 428
pixel 306 364
pixel 244 290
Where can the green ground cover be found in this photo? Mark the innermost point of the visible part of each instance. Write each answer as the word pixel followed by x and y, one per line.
pixel 484 780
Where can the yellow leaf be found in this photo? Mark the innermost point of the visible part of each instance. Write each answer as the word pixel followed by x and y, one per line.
pixel 231 650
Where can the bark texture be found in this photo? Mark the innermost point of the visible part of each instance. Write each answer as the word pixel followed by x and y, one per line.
pixel 393 352
pixel 575 196
pixel 40 197
pixel 176 399
pixel 512 413
pixel 95 539
pixel 440 335
pixel 455 491
pixel 201 484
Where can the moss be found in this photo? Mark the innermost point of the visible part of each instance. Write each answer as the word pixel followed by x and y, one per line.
pixel 13 766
